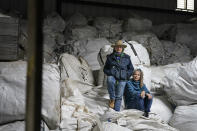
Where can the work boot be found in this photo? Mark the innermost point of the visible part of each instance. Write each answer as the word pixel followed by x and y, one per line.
pixel 111 103
pixel 146 114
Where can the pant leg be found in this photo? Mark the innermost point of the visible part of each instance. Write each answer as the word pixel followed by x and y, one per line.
pixel 140 103
pixel 130 104
pixel 147 104
pixel 119 90
pixel 111 83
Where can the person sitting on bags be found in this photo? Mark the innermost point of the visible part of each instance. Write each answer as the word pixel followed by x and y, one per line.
pixel 118 68
pixel 136 95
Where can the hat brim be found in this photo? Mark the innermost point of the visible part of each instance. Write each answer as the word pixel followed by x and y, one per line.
pixel 123 46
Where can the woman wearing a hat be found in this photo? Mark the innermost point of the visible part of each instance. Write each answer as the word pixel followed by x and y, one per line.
pixel 118 68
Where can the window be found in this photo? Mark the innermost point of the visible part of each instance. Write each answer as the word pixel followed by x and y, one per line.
pixel 185 5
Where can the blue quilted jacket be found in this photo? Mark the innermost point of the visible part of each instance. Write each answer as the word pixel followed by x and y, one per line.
pixel 132 92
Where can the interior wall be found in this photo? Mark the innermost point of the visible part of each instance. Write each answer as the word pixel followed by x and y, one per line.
pixel 20 6
pixel 161 4
pixel 68 8
pixel 157 17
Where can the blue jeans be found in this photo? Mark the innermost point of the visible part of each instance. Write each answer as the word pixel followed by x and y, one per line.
pixel 116 90
pixel 140 103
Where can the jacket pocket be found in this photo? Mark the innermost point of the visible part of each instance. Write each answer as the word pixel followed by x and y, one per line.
pixel 115 72
pixel 123 74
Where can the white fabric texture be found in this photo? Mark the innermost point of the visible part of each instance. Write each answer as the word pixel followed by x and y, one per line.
pixel 108 126
pixel 162 107
pixel 12 93
pixel 74 112
pixel 84 32
pixel 54 22
pixel 180 85
pixel 185 118
pixel 77 20
pixel 53 28
pixel 175 52
pixel 150 42
pixel 75 69
pixel 89 49
pixel 158 73
pixel 76 80
pixel 133 120
pixel 108 26
pixel 20 126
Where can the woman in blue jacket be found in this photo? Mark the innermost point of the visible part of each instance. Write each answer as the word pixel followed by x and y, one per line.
pixel 118 68
pixel 137 96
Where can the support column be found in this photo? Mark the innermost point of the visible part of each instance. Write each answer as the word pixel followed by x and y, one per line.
pixel 34 69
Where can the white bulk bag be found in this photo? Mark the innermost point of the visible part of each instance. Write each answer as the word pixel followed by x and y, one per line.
pixel 150 42
pixel 77 19
pixel 175 52
pixel 75 69
pixel 133 119
pixel 13 90
pixel 180 85
pixel 162 107
pixel 20 126
pixel 185 118
pixel 84 32
pixel 108 126
pixel 158 73
pixel 108 26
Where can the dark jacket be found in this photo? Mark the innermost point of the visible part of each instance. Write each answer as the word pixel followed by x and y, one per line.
pixel 118 65
pixel 132 92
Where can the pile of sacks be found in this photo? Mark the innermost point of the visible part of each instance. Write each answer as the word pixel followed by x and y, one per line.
pixel 84 36
pixel 105 31
pixel 85 106
pixel 53 37
pixel 182 92
pixel 179 83
pixel 71 101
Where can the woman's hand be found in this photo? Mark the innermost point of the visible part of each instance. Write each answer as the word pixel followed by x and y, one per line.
pixel 142 94
pixel 149 96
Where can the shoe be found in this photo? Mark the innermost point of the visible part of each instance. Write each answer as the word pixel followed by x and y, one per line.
pixel 111 103
pixel 146 114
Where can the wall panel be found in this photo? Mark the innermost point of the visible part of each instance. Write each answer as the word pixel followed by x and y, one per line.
pixel 21 6
pixel 155 16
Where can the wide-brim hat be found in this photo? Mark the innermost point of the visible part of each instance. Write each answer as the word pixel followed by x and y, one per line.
pixel 119 43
